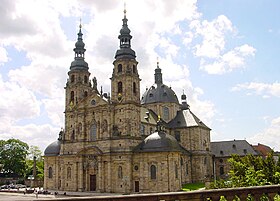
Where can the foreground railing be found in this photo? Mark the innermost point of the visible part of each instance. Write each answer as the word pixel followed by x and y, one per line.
pixel 257 193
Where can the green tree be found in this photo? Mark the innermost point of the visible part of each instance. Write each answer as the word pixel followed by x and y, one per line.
pixel 13 154
pixel 251 170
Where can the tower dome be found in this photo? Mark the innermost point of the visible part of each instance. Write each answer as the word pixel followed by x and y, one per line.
pixel 125 50
pixel 79 62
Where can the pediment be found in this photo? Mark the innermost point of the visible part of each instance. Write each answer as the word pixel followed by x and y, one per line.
pixel 95 100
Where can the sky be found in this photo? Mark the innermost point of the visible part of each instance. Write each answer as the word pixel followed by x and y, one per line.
pixel 224 55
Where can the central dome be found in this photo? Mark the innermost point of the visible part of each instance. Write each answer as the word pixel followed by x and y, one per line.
pixel 159 93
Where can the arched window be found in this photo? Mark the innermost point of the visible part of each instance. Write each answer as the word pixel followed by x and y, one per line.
pixel 72 78
pixel 69 173
pixel 119 68
pixel 93 132
pixel 222 171
pixel 86 94
pixel 80 127
pixel 73 135
pixel 134 87
pixel 153 171
pixel 176 171
pixel 50 173
pixel 134 69
pixel 85 79
pixel 72 97
pixel 104 126
pixel 187 169
pixel 120 89
pixel 165 113
pixel 120 173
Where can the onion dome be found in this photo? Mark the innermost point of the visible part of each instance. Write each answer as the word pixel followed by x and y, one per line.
pixel 159 92
pixel 125 50
pixel 159 142
pixel 79 60
pixel 184 105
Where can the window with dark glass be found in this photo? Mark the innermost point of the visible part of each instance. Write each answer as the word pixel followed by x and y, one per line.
pixel 72 78
pixel 134 69
pixel 120 89
pixel 119 68
pixel 176 171
pixel 222 171
pixel 153 170
pixel 85 79
pixel 72 96
pixel 178 136
pixel 93 132
pixel 165 113
pixel 50 172
pixel 134 87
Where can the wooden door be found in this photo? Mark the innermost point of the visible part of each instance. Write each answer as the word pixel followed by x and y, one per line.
pixel 92 183
pixel 136 186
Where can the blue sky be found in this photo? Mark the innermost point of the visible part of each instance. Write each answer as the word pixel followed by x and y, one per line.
pixel 223 54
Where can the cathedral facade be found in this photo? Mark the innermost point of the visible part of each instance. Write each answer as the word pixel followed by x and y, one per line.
pixel 123 142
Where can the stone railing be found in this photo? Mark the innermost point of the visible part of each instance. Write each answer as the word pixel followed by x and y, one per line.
pixel 228 194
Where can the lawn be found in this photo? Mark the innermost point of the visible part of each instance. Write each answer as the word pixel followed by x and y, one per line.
pixel 192 186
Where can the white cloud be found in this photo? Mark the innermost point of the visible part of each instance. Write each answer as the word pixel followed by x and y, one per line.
pixel 17 102
pixel 213 36
pixel 42 78
pixel 261 89
pixel 55 108
pixel 3 56
pixel 215 56
pixel 229 61
pixel 269 136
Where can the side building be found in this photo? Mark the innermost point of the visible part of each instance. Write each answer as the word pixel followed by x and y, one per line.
pixel 122 143
pixel 223 150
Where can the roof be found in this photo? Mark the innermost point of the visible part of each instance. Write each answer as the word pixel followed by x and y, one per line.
pixel 185 118
pixel 262 149
pixel 159 142
pixel 148 116
pixel 227 148
pixel 159 93
pixel 53 149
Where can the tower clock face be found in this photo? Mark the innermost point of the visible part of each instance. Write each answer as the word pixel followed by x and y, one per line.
pixel 93 102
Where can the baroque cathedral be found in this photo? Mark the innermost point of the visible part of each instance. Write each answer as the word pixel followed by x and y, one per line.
pixel 121 142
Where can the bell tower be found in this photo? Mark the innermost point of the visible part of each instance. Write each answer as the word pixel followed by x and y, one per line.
pixel 77 88
pixel 125 85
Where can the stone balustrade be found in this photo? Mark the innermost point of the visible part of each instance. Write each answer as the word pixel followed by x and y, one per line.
pixel 228 194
